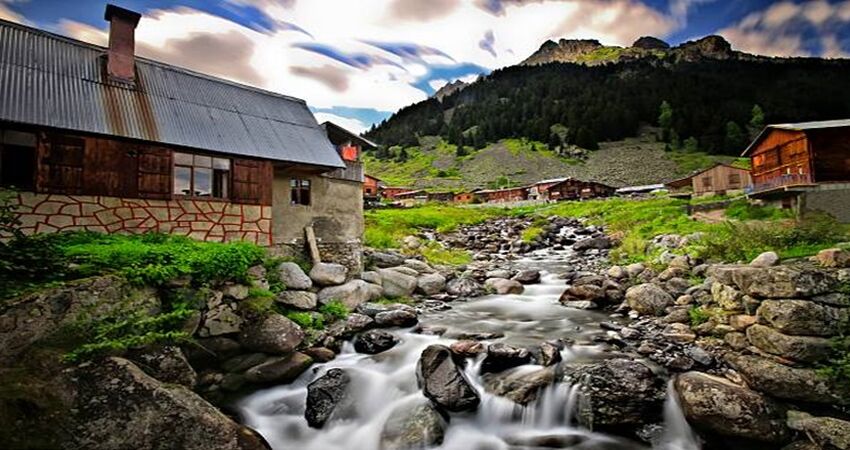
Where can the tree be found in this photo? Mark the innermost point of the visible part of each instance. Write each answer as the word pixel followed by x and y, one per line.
pixel 586 139
pixel 735 140
pixel 402 155
pixel 665 120
pixel 691 144
pixel 756 120
pixel 460 151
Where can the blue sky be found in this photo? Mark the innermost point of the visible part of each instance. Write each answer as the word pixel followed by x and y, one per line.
pixel 357 61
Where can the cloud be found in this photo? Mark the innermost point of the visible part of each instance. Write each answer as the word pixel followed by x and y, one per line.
pixel 330 76
pixel 486 43
pixel 353 125
pixel 422 10
pixel 6 13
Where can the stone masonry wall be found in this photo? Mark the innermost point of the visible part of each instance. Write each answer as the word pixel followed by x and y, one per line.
pixel 199 219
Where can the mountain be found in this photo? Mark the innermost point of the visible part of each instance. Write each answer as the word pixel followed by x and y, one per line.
pixel 449 89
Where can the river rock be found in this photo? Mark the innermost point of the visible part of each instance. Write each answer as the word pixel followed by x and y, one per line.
pixel 386 259
pixel 324 395
pixel 419 266
pixel 464 287
pixel 293 277
pixel 503 356
pixel 803 317
pixel 582 293
pixel 717 405
pixel 789 383
pixel 502 286
pixel 548 354
pixel 280 370
pixel 243 362
pixel 431 284
pixel 833 257
pixel 396 318
pixel 527 276
pixel 372 277
pixel 766 259
pixel 648 299
pixel 828 432
pixel 444 382
pixel 373 342
pixel 727 297
pixel 519 386
pixel 167 364
pixel 411 427
pixel 351 294
pixel 396 283
pixel 220 319
pixel 303 300
pixel 498 273
pixel 598 243
pixel 799 348
pixel 782 281
pixel 467 348
pixel 617 392
pixel 328 274
pixel 633 270
pixel 273 334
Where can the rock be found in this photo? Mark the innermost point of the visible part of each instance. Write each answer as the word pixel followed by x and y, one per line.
pixel 324 395
pixel 670 273
pixel 503 356
pixel 303 300
pixel 833 257
pixel 583 293
pixel 616 272
pixel 798 348
pixel 236 291
pixel 411 427
pixel 741 322
pixel 788 383
pixel 273 334
pixel 502 286
pixel 373 342
pixel 678 315
pixel 766 259
pixel 699 355
pixel 548 354
pixel 833 299
pixel 528 276
pixel 167 364
pixel 221 318
pixel 293 277
pixel 598 243
pixel 444 382
pixel 782 281
pixel 419 266
pixel 566 441
pixel 633 270
pixel 386 259
pixel 520 387
pixel 351 294
pixel 396 283
pixel 738 341
pixel 431 284
pixel 467 348
pixel 648 299
pixel 682 262
pixel 827 432
pixel 396 318
pixel 498 273
pixel 371 277
pixel 717 405
pixel 803 317
pixel 617 392
pixel 280 370
pixel 404 270
pixel 464 287
pixel 727 297
pixel 581 304
pixel 411 242
pixel 243 362
pixel 678 332
pixel 320 354
pixel 355 323
pixel 328 274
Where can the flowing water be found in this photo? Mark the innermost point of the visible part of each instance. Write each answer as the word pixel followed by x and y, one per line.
pixel 382 382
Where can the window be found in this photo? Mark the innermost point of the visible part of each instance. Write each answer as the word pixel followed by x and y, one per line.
pixel 201 176
pixel 17 160
pixel 706 182
pixel 734 179
pixel 300 191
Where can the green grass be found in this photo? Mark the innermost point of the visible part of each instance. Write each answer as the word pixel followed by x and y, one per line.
pixel 436 254
pixel 602 54
pixel 334 310
pixel 692 161
pixel 306 320
pixel 743 210
pixel 698 316
pixel 386 227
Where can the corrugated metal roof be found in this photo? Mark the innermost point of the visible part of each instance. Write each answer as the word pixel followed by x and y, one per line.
pixel 53 81
pixel 798 126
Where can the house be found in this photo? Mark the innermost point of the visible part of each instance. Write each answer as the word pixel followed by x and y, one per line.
pixel 410 198
pixel 391 192
pixel 372 187
pixel 804 166
pixel 539 190
pixel 682 187
pixel 98 139
pixel 572 189
pixel 640 190
pixel 441 196
pixel 720 179
pixel 502 195
pixel 464 197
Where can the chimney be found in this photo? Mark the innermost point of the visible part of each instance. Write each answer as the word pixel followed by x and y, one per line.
pixel 120 59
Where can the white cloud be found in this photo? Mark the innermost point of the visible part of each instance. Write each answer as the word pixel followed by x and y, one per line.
pixel 6 13
pixel 438 83
pixel 352 125
pixel 832 48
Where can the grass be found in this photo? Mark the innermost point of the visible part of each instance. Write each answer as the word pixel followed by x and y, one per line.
pixel 334 310
pixel 692 161
pixel 698 316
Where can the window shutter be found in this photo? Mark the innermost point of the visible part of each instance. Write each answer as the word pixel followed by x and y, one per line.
pixel 154 173
pixel 60 169
pixel 252 182
pixel 110 168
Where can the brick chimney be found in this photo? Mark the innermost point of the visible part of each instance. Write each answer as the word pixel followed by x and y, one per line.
pixel 120 59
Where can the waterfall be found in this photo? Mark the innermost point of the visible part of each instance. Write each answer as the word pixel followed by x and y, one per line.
pixel 677 433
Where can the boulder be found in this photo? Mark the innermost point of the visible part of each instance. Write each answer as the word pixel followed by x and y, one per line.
pixel 528 276
pixel 371 277
pixel 324 395
pixel 833 257
pixel 502 286
pixel 419 266
pixel 582 293
pixel 220 319
pixel 386 259
pixel 633 270
pixel 548 354
pixel 273 334
pixel 431 284
pixel 373 342
pixel 808 349
pixel 293 277
pixel 498 273
pixel 372 309
pixel 617 392
pixel 727 297
pixel 413 426
pixel 303 300
pixel 444 382
pixel 827 432
pixel 396 318
pixel 411 242
pixel 467 348
pixel 464 287
pixel 396 283
pixel 236 291
pixel 719 406
pixel 503 356
pixel 789 383
pixel 351 294
pixel 167 364
pixel 766 259
pixel 782 281
pixel 243 362
pixel 519 386
pixel 597 243
pixel 328 274
pixel 803 317
pixel 648 299
pixel 280 370
pixel 616 272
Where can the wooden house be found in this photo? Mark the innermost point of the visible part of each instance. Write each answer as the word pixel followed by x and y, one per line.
pixel 372 187
pixel 572 189
pixel 514 194
pixel 410 198
pixel 540 190
pixel 390 192
pixel 98 139
pixel 441 196
pixel 720 179
pixel 682 187
pixel 805 166
pixel 464 197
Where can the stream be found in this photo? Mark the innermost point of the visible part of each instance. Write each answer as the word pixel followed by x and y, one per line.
pixel 383 382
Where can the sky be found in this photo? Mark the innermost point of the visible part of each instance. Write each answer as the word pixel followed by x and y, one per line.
pixel 356 62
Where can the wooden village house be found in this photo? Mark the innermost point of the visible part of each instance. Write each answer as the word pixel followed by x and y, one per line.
pixel 373 187
pixel 502 195
pixel 540 190
pixel 390 192
pixel 98 139
pixel 720 179
pixel 804 166
pixel 572 189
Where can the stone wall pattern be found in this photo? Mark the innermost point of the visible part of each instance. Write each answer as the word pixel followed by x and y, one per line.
pixel 204 220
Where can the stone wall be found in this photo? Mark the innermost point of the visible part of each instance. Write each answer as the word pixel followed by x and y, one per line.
pixel 199 219
pixel 831 199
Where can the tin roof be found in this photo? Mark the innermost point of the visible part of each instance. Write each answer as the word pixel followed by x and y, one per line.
pixel 334 131
pixel 798 126
pixel 53 81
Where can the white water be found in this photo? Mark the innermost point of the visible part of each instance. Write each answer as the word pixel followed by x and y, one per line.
pixel 385 381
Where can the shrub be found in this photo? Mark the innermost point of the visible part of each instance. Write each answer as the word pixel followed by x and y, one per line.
pixel 306 320
pixel 334 310
pixel 838 367
pixel 698 316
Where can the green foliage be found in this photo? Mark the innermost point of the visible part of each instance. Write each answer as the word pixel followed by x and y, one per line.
pixel 435 253
pixel 744 210
pixel 334 310
pixel 736 139
pixel 690 145
pixel 757 118
pixel 306 320
pixel 9 222
pixel 531 233
pixel 838 366
pixel 698 316
pixel 665 120
pixel 386 227
pixel 271 264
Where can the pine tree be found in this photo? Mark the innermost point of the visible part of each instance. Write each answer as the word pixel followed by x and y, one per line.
pixel 735 140
pixel 756 120
pixel 665 120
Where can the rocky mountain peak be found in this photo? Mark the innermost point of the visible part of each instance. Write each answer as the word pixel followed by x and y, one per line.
pixel 449 89
pixel 708 47
pixel 565 50
pixel 650 43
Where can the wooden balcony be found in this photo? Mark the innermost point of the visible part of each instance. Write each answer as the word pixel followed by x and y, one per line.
pixel 781 182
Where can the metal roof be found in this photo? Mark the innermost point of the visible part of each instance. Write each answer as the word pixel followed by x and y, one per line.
pixel 332 128
pixel 643 188
pixel 53 81
pixel 798 126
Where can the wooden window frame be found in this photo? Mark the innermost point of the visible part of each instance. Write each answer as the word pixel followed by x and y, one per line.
pixel 297 188
pixel 228 185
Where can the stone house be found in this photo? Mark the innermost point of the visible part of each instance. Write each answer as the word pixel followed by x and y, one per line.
pixel 99 139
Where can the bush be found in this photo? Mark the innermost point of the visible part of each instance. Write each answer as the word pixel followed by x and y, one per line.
pixel 306 320
pixel 698 316
pixel 334 310
pixel 838 367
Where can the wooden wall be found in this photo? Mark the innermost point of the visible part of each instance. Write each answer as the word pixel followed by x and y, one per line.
pixel 720 179
pixel 779 153
pixel 831 154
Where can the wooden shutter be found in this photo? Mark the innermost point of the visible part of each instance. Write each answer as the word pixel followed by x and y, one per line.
pixel 252 182
pixel 60 164
pixel 154 172
pixel 110 168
